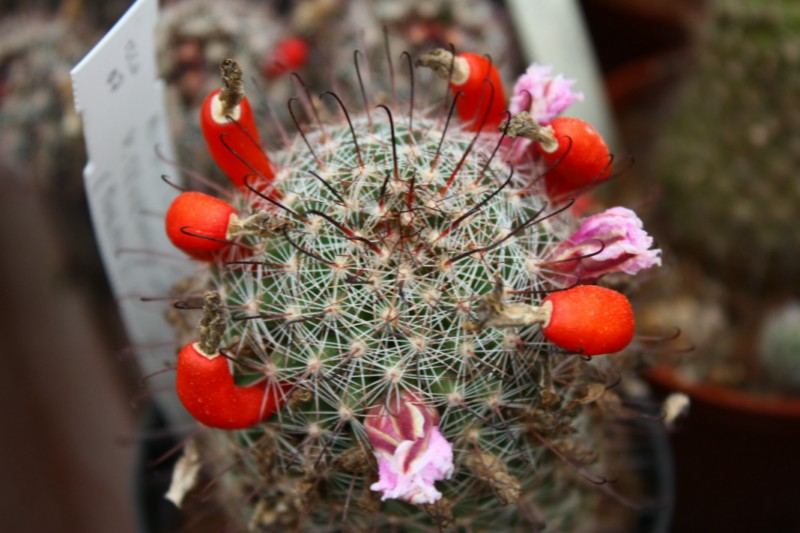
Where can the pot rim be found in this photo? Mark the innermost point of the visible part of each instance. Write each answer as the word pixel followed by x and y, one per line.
pixel 769 405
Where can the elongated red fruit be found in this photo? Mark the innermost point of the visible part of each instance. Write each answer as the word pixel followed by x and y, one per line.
pixel 581 158
pixel 197 224
pixel 476 77
pixel 206 389
pixel 482 91
pixel 589 320
pixel 234 142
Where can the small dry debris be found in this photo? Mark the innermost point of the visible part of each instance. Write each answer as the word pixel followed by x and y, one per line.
pixel 185 474
pixel 493 471
pixel 441 513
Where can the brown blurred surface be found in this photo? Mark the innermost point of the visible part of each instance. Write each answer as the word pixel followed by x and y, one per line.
pixel 64 412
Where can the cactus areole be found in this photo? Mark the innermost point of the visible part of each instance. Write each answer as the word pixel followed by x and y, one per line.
pixel 391 317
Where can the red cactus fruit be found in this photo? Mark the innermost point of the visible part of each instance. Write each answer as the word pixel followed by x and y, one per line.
pixel 589 320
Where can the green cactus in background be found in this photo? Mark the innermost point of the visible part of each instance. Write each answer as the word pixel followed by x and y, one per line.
pixel 731 147
pixel 779 347
pixel 386 340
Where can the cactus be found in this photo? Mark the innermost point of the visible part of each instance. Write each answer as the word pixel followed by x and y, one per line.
pixel 729 150
pixel 779 347
pixel 39 128
pixel 403 353
pixel 41 142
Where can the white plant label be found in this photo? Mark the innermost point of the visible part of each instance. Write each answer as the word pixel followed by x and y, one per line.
pixel 121 101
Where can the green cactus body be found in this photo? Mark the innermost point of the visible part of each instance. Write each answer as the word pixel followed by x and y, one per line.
pixel 361 286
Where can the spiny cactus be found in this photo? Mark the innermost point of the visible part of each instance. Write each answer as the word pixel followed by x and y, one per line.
pixel 730 148
pixel 779 347
pixel 40 133
pixel 388 333
pixel 41 141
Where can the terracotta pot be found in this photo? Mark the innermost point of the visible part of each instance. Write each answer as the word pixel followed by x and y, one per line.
pixel 735 458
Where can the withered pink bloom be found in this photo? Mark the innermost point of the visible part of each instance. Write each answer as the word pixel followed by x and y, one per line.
pixel 411 451
pixel 611 241
pixel 542 95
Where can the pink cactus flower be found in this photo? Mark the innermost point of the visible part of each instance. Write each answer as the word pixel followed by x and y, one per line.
pixel 611 241
pixel 411 451
pixel 542 95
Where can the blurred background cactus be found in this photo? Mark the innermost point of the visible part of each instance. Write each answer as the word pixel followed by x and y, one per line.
pixel 41 142
pixel 725 163
pixel 40 134
pixel 779 348
pixel 732 145
pixel 315 39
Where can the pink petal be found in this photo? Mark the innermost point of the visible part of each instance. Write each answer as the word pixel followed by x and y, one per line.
pixel 411 472
pixel 542 95
pixel 611 241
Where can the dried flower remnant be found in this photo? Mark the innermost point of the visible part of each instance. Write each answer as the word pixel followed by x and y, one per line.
pixel 492 471
pixel 411 451
pixel 186 473
pixel 611 241
pixel 675 406
pixel 543 97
